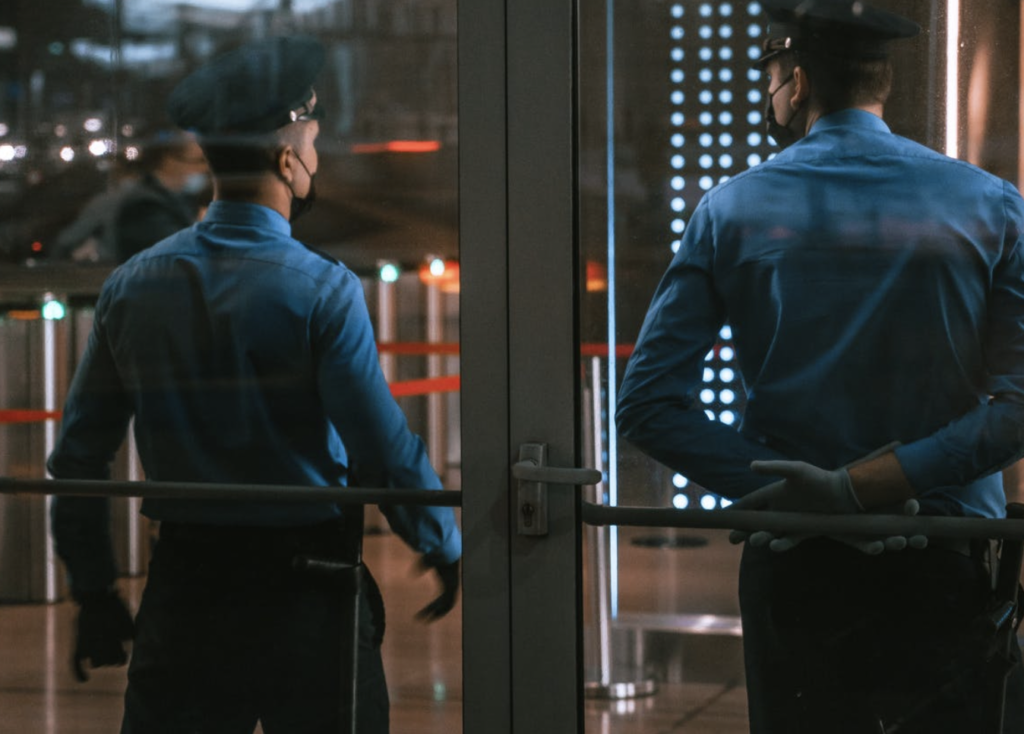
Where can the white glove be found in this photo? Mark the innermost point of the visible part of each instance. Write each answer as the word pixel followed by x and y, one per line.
pixel 867 544
pixel 807 488
pixel 804 488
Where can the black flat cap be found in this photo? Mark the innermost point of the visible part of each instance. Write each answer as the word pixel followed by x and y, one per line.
pixel 251 90
pixel 841 28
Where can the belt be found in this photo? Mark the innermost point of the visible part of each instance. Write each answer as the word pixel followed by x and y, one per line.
pixel 963 546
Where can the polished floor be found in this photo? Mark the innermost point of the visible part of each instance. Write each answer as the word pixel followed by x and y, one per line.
pixel 38 695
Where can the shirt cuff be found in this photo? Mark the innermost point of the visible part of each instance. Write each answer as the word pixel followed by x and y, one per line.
pixel 922 464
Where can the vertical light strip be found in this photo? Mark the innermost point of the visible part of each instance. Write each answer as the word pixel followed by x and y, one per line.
pixel 1020 114
pixel 952 77
pixel 613 444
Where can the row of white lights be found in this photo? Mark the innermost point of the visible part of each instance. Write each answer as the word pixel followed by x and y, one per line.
pixel 707 161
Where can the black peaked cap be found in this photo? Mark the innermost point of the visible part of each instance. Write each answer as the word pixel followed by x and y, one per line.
pixel 843 28
pixel 251 90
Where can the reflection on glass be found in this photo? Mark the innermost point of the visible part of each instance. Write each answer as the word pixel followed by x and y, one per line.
pixel 83 85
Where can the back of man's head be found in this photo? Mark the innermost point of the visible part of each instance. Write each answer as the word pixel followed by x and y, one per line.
pixel 241 104
pixel 842 45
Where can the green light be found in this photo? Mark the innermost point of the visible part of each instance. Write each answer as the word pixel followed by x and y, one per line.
pixel 389 272
pixel 54 311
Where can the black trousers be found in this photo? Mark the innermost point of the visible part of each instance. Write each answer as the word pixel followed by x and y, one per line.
pixel 836 641
pixel 229 633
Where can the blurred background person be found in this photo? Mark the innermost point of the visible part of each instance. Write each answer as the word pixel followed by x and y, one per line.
pixel 170 192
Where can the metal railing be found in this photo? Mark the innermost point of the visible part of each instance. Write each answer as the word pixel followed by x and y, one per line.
pixel 799 523
pixel 239 492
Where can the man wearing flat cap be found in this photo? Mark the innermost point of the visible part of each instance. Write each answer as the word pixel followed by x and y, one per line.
pixel 244 357
pixel 873 288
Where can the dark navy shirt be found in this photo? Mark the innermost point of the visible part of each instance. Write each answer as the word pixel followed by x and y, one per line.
pixel 244 357
pixel 875 290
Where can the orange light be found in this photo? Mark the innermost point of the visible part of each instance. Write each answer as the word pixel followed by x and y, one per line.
pixel 447 278
pixel 24 314
pixel 37 246
pixel 398 146
pixel 597 277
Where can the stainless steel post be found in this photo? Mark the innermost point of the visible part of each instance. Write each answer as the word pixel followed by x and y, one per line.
pixel 46 581
pixel 387 325
pixel 137 526
pixel 436 424
pixel 596 560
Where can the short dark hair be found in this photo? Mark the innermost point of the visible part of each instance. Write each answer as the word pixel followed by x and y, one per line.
pixel 232 158
pixel 838 83
pixel 247 155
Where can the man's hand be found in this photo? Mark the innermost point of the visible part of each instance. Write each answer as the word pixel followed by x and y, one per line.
pixel 804 488
pixel 448 574
pixel 104 626
pixel 807 488
pixel 867 544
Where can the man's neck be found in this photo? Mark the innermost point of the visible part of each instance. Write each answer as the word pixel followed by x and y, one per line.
pixel 264 191
pixel 815 113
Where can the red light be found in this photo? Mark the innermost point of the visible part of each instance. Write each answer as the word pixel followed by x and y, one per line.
pixel 597 276
pixel 398 146
pixel 37 246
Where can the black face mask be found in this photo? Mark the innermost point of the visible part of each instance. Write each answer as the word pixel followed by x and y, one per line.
pixel 779 132
pixel 302 204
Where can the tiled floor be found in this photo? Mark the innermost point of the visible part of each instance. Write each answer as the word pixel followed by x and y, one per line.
pixel 39 696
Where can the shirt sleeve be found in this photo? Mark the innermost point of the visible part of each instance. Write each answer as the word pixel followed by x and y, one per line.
pixel 382 450
pixel 658 410
pixel 95 419
pixel 991 436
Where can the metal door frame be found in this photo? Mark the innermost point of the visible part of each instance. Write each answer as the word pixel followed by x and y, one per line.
pixel 522 636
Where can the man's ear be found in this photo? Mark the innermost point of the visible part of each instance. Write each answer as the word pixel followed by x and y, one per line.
pixel 283 165
pixel 801 87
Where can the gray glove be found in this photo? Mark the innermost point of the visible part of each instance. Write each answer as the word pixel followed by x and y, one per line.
pixel 807 488
pixel 870 545
pixel 804 488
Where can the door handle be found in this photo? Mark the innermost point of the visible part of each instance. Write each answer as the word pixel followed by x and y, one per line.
pixel 534 476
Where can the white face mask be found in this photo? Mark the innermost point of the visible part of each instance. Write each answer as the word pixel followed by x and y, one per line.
pixel 195 183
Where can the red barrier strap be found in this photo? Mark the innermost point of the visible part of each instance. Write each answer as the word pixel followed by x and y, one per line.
pixel 601 350
pixel 28 416
pixel 425 386
pixel 418 347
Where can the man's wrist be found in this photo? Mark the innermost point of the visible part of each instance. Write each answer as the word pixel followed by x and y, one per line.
pixel 880 482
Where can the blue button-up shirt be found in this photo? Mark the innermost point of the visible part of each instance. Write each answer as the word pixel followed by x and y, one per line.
pixel 244 357
pixel 875 291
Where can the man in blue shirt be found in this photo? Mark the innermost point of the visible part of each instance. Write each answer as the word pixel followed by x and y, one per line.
pixel 243 357
pixel 875 291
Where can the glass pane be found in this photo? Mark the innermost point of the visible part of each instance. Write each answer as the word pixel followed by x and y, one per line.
pixel 671 107
pixel 93 169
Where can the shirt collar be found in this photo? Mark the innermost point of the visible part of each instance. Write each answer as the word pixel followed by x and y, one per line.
pixel 245 214
pixel 851 118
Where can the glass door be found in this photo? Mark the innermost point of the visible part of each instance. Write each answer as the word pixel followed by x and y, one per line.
pixel 519 362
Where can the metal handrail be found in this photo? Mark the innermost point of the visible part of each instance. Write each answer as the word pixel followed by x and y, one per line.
pixel 239 492
pixel 800 523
